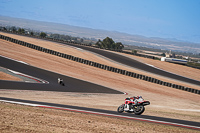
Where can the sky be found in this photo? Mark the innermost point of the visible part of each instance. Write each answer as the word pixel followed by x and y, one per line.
pixel 178 19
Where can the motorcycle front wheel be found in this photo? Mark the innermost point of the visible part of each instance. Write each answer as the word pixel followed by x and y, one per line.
pixel 139 110
pixel 120 109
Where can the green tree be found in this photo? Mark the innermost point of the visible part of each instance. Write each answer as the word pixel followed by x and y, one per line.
pixel 119 46
pixel 134 51
pixel 99 44
pixel 4 28
pixel 42 34
pixel 21 30
pixel 163 54
pixel 108 43
pixel 32 33
pixel 13 28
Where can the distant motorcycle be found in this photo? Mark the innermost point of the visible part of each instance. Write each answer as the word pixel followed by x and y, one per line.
pixel 60 81
pixel 133 105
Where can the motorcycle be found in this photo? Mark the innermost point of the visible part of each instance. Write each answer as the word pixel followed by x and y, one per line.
pixel 60 81
pixel 133 105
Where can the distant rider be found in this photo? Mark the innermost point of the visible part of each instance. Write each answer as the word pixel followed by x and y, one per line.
pixel 60 81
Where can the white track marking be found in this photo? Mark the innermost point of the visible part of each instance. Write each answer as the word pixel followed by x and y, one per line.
pixel 153 66
pixel 21 103
pixel 28 76
pixel 14 60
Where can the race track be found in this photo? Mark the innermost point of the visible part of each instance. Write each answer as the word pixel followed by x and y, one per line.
pixel 76 85
pixel 71 84
pixel 136 64
pixel 146 118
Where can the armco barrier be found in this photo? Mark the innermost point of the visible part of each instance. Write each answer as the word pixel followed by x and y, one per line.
pixel 185 88
pixel 128 73
pixel 189 89
pixel 157 81
pixel 98 65
pixel 36 47
pixel 174 86
pixel 123 72
pixel 86 62
pixel 89 63
pixel 146 78
pixel 169 84
pixel 152 80
pixel 71 57
pixel 108 68
pixel 182 87
pixel 116 70
pixel 195 91
pixel 179 87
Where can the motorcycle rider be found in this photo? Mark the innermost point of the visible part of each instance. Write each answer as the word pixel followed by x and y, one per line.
pixel 60 81
pixel 130 101
pixel 134 105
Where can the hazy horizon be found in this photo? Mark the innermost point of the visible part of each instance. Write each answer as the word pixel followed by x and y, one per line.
pixel 151 18
pixel 127 39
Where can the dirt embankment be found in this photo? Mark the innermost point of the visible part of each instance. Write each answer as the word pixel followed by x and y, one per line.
pixel 19 119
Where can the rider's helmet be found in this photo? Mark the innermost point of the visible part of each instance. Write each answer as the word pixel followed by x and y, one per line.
pixel 137 97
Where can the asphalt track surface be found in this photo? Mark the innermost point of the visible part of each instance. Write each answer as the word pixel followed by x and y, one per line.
pixel 71 84
pixel 161 120
pixel 136 64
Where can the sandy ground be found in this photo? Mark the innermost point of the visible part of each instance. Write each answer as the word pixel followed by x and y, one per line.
pixel 32 119
pixel 165 101
pixel 4 76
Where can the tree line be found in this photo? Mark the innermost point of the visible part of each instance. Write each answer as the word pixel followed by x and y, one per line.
pixel 49 35
pixel 108 43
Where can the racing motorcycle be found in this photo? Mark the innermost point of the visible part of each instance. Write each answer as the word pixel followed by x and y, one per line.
pixel 133 105
pixel 60 81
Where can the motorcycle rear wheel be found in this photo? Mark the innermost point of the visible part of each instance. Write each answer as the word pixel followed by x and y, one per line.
pixel 120 109
pixel 140 109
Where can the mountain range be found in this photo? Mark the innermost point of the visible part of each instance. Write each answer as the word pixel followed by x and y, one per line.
pixel 127 39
